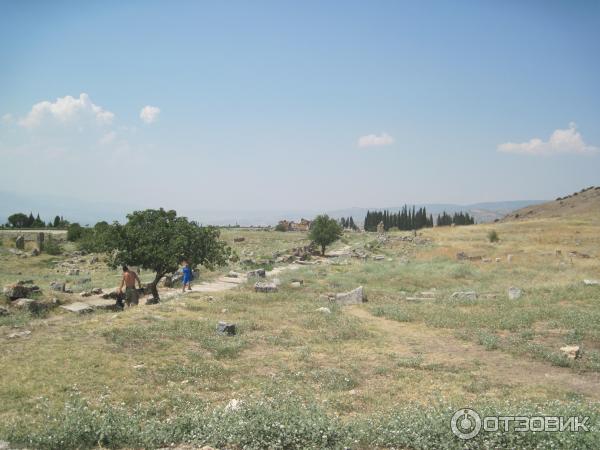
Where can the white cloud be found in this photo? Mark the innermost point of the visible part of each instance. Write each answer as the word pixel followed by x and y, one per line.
pixel 373 140
pixel 561 141
pixel 7 118
pixel 108 138
pixel 66 110
pixel 149 114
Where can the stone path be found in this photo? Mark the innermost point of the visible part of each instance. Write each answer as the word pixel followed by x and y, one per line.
pixel 224 283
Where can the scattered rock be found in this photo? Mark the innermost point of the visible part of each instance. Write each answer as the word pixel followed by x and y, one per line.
pixel 27 304
pixel 19 334
pixel 509 258
pixel 461 256
pixel 486 260
pixel 261 286
pixel 257 273
pixel 57 286
pixel 514 293
pixel 571 351
pixel 93 259
pixel 4 311
pixel 429 294
pixel 226 328
pixel 306 263
pixel 35 252
pixel 378 257
pixel 323 310
pixel 72 272
pixel 96 291
pixel 276 281
pixel 297 283
pixel 15 291
pixel 557 253
pixel 239 239
pixel 591 282
pixel 111 294
pixel 464 295
pixel 233 274
pixel 497 260
pixel 575 253
pixel 354 297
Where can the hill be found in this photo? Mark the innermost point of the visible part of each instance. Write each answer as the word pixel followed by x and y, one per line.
pixel 583 203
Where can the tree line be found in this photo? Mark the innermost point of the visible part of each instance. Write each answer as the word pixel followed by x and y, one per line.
pixel 348 223
pixel 405 219
pixel 22 220
pixel 413 219
pixel 459 218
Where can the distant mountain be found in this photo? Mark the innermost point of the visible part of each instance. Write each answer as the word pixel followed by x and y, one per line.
pixel 91 212
pixel 583 203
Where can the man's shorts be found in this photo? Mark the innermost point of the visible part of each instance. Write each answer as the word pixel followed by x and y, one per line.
pixel 131 296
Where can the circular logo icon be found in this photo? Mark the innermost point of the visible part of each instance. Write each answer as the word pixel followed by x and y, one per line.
pixel 466 423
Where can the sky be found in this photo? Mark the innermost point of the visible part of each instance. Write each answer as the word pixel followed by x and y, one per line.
pixel 299 104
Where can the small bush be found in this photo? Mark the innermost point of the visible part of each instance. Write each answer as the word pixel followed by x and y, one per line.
pixel 52 247
pixel 280 227
pixel 493 236
pixel 74 232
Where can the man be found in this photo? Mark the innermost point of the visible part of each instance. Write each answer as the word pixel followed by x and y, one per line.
pixel 129 279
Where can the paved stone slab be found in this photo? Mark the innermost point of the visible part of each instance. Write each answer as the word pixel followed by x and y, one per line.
pixel 100 303
pixel 78 307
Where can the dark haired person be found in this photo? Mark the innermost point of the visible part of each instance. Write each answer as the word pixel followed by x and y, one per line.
pixel 129 279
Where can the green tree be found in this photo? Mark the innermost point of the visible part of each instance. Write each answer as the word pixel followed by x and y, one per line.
pixel 56 222
pixel 74 232
pixel 325 231
pixel 159 240
pixel 18 220
pixel 38 222
pixel 98 239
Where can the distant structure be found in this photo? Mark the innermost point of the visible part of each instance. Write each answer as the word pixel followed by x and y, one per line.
pixel 303 225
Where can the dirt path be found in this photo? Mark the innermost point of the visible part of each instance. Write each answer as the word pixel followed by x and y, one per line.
pixel 439 346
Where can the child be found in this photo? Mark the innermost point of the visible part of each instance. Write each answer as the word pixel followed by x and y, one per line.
pixel 187 276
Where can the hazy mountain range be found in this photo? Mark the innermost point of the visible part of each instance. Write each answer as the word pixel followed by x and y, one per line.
pixel 91 212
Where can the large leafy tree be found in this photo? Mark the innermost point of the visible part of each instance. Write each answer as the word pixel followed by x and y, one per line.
pixel 325 231
pixel 18 220
pixel 159 240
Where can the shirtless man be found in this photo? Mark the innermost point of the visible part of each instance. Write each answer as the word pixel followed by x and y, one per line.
pixel 129 279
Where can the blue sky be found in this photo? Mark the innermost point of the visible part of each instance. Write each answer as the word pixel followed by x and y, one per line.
pixel 299 105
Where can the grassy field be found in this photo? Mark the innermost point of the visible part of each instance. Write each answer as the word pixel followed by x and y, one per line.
pixel 385 374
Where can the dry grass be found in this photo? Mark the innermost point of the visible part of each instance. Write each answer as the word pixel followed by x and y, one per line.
pixel 354 362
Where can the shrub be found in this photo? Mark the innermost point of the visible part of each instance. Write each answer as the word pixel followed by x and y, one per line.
pixel 74 232
pixel 52 247
pixel 493 236
pixel 280 227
